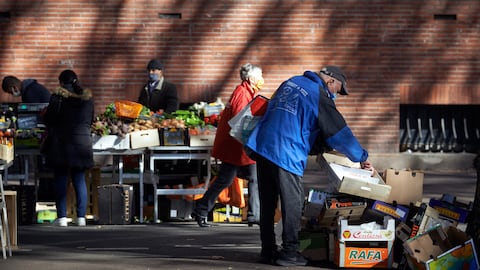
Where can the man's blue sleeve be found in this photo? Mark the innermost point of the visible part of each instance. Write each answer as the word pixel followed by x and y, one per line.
pixel 345 142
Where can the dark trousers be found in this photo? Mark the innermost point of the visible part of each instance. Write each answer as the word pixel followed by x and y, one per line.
pixel 224 179
pixel 276 183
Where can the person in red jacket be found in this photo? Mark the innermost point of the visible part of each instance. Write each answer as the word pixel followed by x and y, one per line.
pixel 234 160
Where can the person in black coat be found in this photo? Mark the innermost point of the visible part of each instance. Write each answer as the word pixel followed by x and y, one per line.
pixel 30 90
pixel 68 150
pixel 158 94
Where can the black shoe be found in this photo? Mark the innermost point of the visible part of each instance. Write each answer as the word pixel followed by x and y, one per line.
pixel 268 257
pixel 201 221
pixel 290 259
pixel 253 222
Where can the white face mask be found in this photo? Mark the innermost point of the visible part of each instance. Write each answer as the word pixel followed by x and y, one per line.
pixel 16 93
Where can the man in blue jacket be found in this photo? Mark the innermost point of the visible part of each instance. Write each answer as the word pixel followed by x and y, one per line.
pixel 301 118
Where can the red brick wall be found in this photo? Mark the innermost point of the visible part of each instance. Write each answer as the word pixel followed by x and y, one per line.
pixel 393 51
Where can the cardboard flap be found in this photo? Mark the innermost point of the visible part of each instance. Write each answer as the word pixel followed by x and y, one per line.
pixel 428 245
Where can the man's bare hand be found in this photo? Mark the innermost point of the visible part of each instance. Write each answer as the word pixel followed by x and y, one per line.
pixel 366 165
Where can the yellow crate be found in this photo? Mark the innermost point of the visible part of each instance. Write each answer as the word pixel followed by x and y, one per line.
pixel 222 217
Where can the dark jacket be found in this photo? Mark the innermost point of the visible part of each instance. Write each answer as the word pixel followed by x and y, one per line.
pixel 68 119
pixel 33 92
pixel 163 97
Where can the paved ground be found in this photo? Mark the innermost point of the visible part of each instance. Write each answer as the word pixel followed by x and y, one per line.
pixel 174 245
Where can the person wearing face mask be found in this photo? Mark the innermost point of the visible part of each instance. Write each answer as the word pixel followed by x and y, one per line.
pixel 234 160
pixel 29 90
pixel 158 94
pixel 301 119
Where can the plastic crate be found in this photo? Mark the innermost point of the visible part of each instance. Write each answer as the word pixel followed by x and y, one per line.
pixel 127 109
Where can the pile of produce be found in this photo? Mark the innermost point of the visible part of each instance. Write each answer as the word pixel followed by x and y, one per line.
pixel 108 123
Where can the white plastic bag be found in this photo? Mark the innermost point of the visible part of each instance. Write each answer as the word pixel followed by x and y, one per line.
pixel 247 119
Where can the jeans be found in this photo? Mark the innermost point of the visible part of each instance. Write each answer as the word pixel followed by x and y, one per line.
pixel 61 181
pixel 224 179
pixel 275 182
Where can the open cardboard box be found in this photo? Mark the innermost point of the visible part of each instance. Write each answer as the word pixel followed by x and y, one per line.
pixel 347 177
pixel 407 186
pixel 440 248
pixel 326 215
pixel 364 246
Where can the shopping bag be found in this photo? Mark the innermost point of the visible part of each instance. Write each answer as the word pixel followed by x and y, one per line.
pixel 242 124
pixel 236 193
pixel 232 195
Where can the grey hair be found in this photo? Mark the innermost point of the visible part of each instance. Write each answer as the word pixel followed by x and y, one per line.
pixel 249 70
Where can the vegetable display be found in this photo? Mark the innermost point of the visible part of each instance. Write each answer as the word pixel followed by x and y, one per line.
pixel 108 123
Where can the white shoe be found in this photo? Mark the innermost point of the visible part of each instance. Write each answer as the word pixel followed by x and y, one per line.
pixel 61 222
pixel 81 222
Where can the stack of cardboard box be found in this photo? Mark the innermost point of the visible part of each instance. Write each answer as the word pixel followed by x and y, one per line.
pixel 370 221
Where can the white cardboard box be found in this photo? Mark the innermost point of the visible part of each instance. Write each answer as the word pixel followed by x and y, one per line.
pixel 202 140
pixel 347 177
pixel 362 247
pixel 144 138
pixel 110 142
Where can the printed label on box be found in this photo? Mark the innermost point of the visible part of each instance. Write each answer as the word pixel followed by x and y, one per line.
pixel 398 212
pixel 366 257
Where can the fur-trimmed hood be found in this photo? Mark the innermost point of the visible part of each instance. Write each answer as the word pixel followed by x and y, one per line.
pixel 86 95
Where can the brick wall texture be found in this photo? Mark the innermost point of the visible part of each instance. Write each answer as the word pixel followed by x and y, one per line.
pixel 394 52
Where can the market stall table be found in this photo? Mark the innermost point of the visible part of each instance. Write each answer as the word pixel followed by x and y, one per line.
pixel 178 153
pixel 32 154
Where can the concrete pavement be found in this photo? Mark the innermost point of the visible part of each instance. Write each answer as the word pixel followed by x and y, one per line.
pixel 175 245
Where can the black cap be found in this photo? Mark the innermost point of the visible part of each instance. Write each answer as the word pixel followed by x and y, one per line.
pixel 155 64
pixel 337 73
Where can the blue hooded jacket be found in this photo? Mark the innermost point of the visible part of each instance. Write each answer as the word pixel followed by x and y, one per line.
pixel 300 115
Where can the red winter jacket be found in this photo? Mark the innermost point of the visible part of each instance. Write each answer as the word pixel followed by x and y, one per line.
pixel 225 147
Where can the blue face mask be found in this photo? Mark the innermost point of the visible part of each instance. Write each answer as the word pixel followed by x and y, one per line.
pixel 153 77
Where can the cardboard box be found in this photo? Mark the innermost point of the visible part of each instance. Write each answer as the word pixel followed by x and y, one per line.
pixel 115 204
pixel 46 212
pixel 7 152
pixel 144 138
pixel 443 249
pixel 449 210
pixel 110 142
pixel 397 212
pixel 347 177
pixel 202 140
pixel 350 213
pixel 313 245
pixel 315 203
pixel 320 211
pixel 407 186
pixel 174 136
pixel 361 247
pixel 180 208
pixel 425 219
